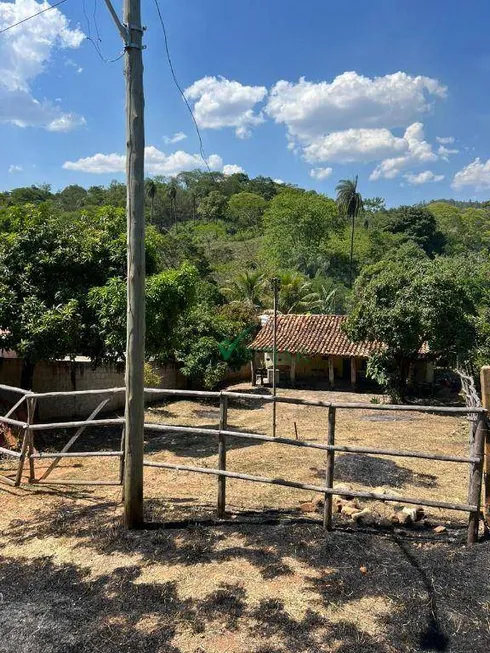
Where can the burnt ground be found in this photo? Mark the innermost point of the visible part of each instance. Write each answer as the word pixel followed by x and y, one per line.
pixel 79 582
pixel 269 580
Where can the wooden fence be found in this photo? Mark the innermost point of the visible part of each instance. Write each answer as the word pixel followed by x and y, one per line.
pixel 475 459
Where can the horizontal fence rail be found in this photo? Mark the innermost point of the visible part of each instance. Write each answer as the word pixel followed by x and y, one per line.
pixel 210 394
pixel 475 459
pixel 77 454
pixel 313 488
pixel 166 428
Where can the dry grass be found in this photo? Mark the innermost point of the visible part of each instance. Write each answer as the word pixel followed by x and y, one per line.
pixel 73 580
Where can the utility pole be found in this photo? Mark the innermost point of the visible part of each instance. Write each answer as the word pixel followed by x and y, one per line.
pixel 275 285
pixel 132 34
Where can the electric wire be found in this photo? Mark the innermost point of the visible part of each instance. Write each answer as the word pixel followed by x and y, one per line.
pixel 24 20
pixel 99 40
pixel 179 88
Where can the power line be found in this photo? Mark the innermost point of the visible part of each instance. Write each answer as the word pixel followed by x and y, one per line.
pixel 94 15
pixel 24 20
pixel 97 49
pixel 99 40
pixel 176 82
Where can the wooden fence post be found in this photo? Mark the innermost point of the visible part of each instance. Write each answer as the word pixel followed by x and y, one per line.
pixel 327 508
pixel 31 411
pixel 485 393
pixel 223 423
pixel 476 478
pixel 122 462
pixel 23 453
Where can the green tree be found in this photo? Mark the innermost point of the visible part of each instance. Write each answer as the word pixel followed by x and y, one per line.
pixel 172 195
pixel 151 191
pixel 296 225
pixel 204 333
pixel 169 295
pixel 72 198
pixel 248 287
pixel 417 224
pixel 349 201
pixel 296 294
pixel 405 302
pixel 30 195
pixel 212 207
pixel 449 223
pixel 245 210
pixel 48 266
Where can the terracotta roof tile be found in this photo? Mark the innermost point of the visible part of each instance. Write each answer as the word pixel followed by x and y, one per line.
pixel 312 334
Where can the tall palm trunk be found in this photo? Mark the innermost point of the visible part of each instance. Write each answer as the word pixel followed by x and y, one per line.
pixel 351 250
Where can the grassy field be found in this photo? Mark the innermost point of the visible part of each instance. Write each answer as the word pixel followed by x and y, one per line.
pixel 269 580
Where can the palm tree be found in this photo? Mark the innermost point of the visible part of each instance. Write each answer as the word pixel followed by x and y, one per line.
pixel 247 287
pixel 172 195
pixel 296 294
pixel 350 203
pixel 151 191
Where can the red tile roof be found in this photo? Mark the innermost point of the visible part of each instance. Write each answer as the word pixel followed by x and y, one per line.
pixel 312 334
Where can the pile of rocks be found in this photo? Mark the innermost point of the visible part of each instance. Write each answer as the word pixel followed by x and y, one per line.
pixel 350 509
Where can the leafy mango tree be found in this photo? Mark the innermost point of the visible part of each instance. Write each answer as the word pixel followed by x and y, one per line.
pixel 405 302
pixel 48 265
pixel 185 324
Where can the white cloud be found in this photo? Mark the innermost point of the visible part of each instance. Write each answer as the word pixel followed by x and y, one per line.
pixel 66 122
pixel 220 102
pixel 445 152
pixel 232 169
pixel 424 177
pixel 354 145
pixel 476 174
pixel 311 110
pixel 320 173
pixel 417 151
pixel 71 64
pixel 25 53
pixel 98 163
pixel 279 181
pixel 15 168
pixel 445 140
pixel 176 138
pixel 215 162
pixel 156 163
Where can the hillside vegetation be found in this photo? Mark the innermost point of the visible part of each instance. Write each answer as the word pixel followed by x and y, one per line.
pixel 213 244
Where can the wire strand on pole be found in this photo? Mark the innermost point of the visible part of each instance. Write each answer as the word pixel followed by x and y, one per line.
pixel 176 82
pixel 24 20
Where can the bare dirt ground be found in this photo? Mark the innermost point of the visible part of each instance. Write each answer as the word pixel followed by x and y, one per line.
pixel 269 580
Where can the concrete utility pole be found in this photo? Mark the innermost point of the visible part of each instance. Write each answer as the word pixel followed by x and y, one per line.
pixel 132 32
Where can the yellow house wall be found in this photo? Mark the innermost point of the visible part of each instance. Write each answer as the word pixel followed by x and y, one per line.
pixel 305 365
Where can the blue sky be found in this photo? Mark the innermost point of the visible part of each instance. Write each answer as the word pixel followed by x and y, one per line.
pixel 306 92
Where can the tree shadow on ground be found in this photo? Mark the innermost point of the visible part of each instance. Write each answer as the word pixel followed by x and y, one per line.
pixel 186 445
pixel 190 445
pixel 436 597
pixel 373 471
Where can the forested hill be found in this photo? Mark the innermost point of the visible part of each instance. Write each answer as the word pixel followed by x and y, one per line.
pixel 213 244
pixel 228 225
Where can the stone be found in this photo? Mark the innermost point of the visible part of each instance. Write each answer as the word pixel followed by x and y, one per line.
pixel 439 529
pixel 364 517
pixel 309 506
pixel 339 504
pixel 350 508
pixel 342 487
pixel 319 503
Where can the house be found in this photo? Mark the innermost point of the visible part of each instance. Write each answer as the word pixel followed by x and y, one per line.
pixel 316 347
